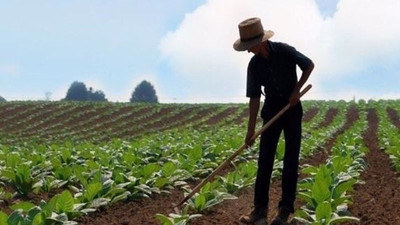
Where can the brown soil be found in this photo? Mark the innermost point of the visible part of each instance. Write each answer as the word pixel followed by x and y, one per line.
pixel 394 117
pixel 18 117
pixel 351 116
pixel 329 116
pixel 18 127
pixel 40 117
pixel 378 200
pixel 4 116
pixel 42 127
pixel 242 117
pixel 310 114
pixel 217 117
pixel 77 124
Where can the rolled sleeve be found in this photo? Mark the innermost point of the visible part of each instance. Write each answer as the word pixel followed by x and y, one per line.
pixel 253 86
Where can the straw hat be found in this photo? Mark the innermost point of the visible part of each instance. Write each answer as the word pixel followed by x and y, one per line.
pixel 251 33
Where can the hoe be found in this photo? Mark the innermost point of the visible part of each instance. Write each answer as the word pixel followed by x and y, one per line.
pixel 240 150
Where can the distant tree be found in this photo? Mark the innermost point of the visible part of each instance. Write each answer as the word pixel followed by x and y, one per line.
pixel 144 92
pixel 77 92
pixel 2 99
pixel 97 96
pixel 48 95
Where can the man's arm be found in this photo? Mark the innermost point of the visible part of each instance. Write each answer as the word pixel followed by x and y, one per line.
pixel 295 96
pixel 254 106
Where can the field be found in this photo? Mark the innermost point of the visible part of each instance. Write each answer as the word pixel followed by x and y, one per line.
pixel 120 163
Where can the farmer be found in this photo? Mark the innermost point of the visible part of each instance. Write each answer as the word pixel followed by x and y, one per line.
pixel 274 67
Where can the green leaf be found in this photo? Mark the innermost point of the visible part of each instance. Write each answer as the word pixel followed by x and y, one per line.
pixel 161 182
pixel 15 218
pixel 38 220
pixel 196 153
pixel 149 169
pixel 323 211
pixel 168 169
pixel 65 202
pixel 164 219
pixel 92 190
pixel 25 206
pixel 320 190
pixel 342 219
pixel 3 218
pixel 306 197
pixel 342 188
pixel 200 202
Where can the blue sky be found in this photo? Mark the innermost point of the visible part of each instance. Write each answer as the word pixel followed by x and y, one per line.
pixel 185 47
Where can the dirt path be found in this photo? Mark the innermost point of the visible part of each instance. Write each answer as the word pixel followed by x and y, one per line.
pixel 329 116
pixel 394 117
pixel 378 200
pixel 310 114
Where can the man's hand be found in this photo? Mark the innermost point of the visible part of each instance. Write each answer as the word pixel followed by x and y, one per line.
pixel 249 142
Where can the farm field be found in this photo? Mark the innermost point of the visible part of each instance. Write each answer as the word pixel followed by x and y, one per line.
pixel 120 163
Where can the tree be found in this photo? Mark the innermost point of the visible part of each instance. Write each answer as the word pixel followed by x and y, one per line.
pixel 144 92
pixel 2 99
pixel 77 92
pixel 97 96
pixel 48 95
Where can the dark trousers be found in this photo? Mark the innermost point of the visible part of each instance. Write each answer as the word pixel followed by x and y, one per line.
pixel 290 123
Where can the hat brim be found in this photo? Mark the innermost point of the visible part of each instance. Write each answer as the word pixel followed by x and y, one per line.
pixel 240 45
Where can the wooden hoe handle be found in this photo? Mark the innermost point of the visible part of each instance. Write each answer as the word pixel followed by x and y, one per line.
pixel 228 160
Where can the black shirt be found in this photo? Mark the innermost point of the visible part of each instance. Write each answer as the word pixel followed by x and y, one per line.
pixel 277 73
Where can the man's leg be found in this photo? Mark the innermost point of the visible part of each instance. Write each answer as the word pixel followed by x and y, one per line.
pixel 292 132
pixel 268 143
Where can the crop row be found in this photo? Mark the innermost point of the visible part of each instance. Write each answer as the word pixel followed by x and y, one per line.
pixel 24 121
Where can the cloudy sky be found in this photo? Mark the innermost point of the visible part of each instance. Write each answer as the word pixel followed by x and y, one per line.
pixel 184 48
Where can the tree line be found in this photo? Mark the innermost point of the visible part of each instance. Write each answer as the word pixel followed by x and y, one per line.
pixel 144 92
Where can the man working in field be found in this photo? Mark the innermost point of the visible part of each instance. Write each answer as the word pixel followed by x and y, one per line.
pixel 274 67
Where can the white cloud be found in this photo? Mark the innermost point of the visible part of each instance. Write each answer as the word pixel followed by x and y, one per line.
pixel 361 33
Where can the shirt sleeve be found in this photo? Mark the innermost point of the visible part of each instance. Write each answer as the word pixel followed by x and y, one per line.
pixel 253 86
pixel 300 59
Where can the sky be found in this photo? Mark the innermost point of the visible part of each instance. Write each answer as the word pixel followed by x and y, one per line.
pixel 184 48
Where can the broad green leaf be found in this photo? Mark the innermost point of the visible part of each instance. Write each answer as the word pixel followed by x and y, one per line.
pixel 3 218
pixel 196 153
pixel 164 219
pixel 15 218
pixel 200 202
pixel 320 190
pixel 323 211
pixel 149 169
pixel 38 219
pixel 92 190
pixel 65 202
pixel 168 169
pixel 342 188
pixel 161 182
pixel 25 206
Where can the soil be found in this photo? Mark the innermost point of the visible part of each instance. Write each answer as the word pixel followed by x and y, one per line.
pixel 394 117
pixel 329 116
pixel 378 200
pixel 310 114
